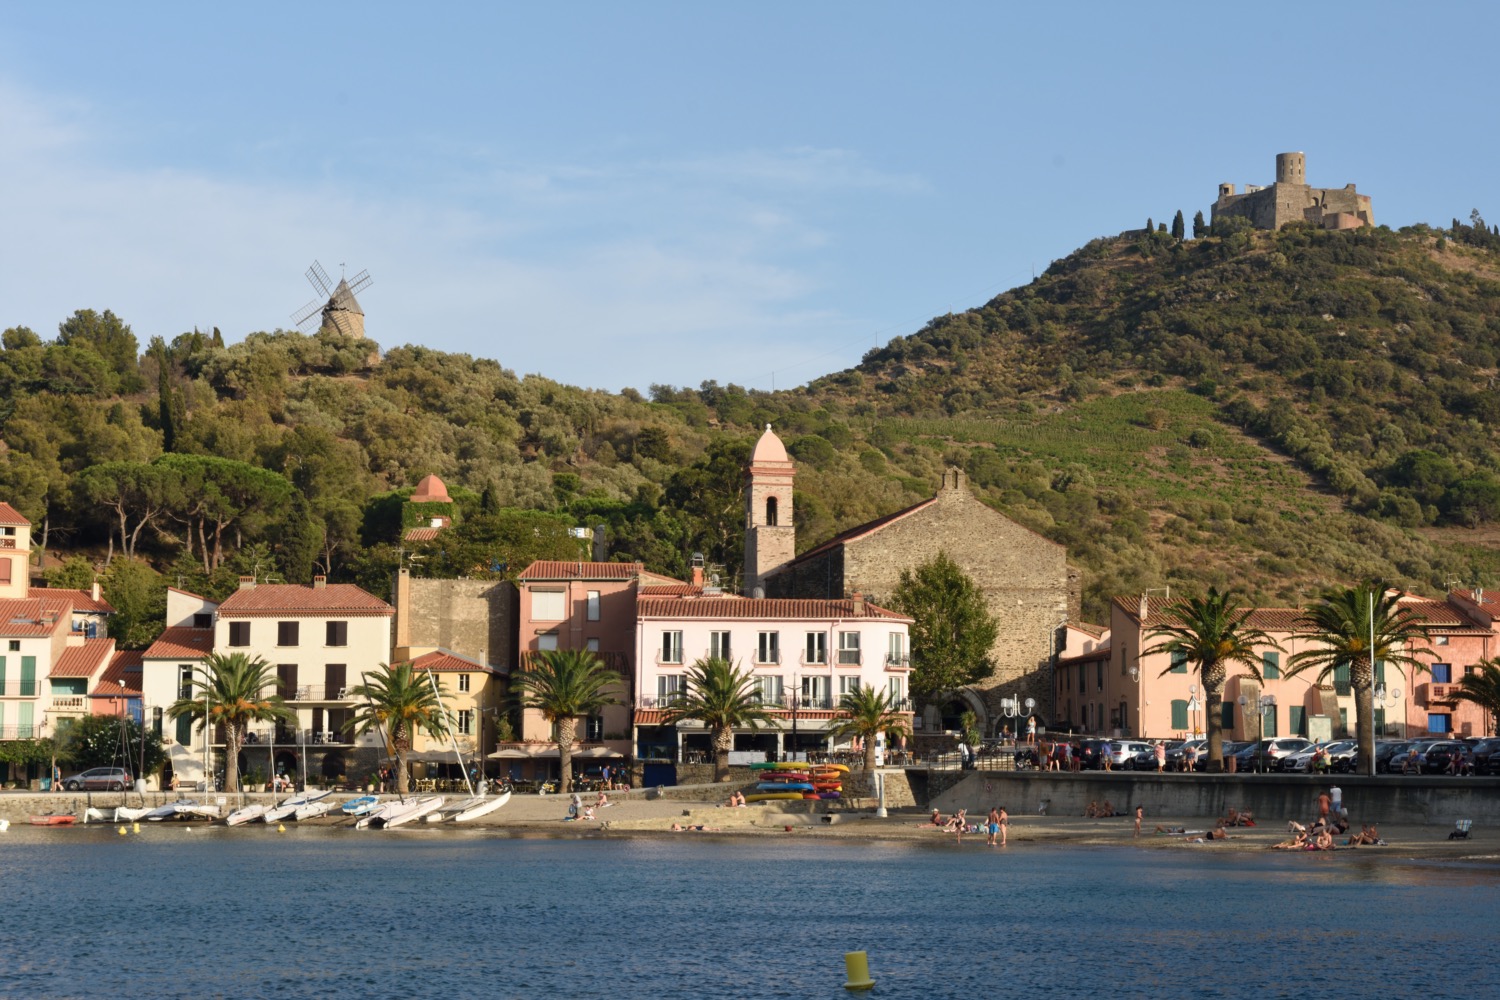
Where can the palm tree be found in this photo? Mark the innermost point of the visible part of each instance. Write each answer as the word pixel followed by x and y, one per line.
pixel 402 703
pixel 565 685
pixel 870 714
pixel 1342 623
pixel 1480 686
pixel 229 690
pixel 1210 633
pixel 723 698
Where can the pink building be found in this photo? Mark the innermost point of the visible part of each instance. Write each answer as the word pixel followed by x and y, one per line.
pixel 1112 689
pixel 805 654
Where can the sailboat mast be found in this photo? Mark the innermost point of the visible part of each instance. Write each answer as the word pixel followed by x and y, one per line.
pixel 451 737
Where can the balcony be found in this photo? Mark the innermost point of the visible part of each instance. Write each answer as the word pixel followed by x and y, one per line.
pixel 69 703
pixel 293 737
pixel 18 689
pixel 31 732
pixel 897 662
pixel 850 658
pixel 7 543
pixel 317 692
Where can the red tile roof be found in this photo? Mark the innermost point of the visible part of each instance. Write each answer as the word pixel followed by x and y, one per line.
pixel 21 617
pixel 430 490
pixel 1102 653
pixel 757 607
pixel 82 661
pixel 442 659
pixel 1097 631
pixel 122 678
pixel 180 643
pixel 671 590
pixel 82 600
pixel 300 599
pixel 1438 613
pixel 549 569
pixel 9 515
pixel 422 534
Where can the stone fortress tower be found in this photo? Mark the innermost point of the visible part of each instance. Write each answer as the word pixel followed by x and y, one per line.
pixel 1290 199
pixel 770 536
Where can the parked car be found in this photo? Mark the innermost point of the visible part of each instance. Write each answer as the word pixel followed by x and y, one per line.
pixel 1486 759
pixel 1385 750
pixel 99 779
pixel 1126 751
pixel 1341 755
pixel 1398 762
pixel 1267 754
pixel 1176 754
pixel 1438 757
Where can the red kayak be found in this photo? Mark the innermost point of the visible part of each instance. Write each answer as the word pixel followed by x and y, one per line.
pixel 54 819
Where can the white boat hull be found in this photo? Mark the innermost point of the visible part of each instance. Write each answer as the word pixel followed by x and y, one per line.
pixel 129 814
pixel 412 811
pixel 288 809
pixel 362 806
pixel 312 810
pixel 245 815
pixel 482 808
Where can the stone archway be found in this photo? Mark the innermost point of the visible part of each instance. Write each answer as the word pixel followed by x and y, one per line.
pixel 955 703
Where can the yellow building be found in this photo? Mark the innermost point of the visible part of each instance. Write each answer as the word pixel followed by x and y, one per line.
pixel 471 693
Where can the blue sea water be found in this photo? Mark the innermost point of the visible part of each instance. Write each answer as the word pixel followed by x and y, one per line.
pixel 325 913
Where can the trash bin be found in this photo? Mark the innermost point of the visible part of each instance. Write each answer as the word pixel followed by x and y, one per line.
pixel 1234 764
pixel 46 784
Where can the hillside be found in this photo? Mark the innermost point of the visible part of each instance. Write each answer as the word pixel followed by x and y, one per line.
pixel 1275 412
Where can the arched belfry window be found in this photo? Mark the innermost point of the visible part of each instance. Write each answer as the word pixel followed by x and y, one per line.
pixel 771 511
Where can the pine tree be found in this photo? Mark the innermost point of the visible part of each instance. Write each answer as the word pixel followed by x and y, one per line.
pixel 1200 228
pixel 1179 228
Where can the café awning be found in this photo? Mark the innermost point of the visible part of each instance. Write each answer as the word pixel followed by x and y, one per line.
pixel 537 752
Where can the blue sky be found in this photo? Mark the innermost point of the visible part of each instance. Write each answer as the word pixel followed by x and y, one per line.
pixel 625 194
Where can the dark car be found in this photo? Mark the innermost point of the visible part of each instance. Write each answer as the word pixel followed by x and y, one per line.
pixel 1483 754
pixel 1438 758
pixel 1408 761
pixel 1176 754
pixel 99 779
pixel 1385 750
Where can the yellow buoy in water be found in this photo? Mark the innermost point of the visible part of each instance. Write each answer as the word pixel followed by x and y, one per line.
pixel 135 828
pixel 857 967
pixel 281 828
pixel 122 829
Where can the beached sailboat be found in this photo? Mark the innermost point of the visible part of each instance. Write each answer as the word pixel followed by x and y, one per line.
pixel 169 811
pixel 197 810
pixel 245 814
pixel 288 808
pixel 468 809
pixel 129 814
pixel 361 806
pixel 312 810
pixel 377 815
pixel 402 813
pixel 54 819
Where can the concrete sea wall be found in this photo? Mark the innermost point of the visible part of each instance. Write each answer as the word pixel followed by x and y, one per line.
pixel 1435 801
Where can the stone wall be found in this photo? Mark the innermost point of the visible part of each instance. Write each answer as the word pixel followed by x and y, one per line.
pixel 1275 206
pixel 1274 798
pixel 474 617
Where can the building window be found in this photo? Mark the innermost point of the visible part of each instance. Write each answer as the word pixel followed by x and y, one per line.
pixel 1439 722
pixel 1341 679
pixel 549 605
pixel 337 634
pixel 463 683
pixel 1179 662
pixel 239 633
pixel 668 687
pixel 1441 640
pixel 1099 675
pixel 1379 671
pixel 896 691
pixel 593 605
pixel 895 649
pixel 815 692
pixel 768 647
pixel 848 684
pixel 817 648
pixel 286 633
pixel 185 730
pixel 1270 665
pixel 184 680
pixel 15 645
pixel 592 645
pixel 1269 722
pixel 546 642
pixel 203 619
pixel 1442 673
pixel 465 722
pixel 335 681
pixel 1179 714
pixel 671 647
pixel 1380 722
pixel 769 690
pixel 1298 720
pixel 718 645
pixel 771 512
pixel 849 648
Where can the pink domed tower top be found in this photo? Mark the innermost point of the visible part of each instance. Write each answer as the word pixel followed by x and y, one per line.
pixel 431 490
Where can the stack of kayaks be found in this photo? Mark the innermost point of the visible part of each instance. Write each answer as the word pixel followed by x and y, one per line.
pixel 792 781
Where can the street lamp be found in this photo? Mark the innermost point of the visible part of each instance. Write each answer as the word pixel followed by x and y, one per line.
pixel 1384 699
pixel 1193 706
pixel 1012 708
pixel 796 696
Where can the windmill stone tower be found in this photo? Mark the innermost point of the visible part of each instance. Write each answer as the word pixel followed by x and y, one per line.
pixel 340 312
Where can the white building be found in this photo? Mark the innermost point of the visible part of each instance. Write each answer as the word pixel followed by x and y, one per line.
pixel 804 654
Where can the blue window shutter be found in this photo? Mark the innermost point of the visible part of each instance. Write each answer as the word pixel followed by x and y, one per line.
pixel 1179 714
pixel 1270 665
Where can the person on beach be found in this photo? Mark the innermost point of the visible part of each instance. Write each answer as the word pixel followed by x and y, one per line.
pixel 937 819
pixel 1366 835
pixel 1297 843
pixel 574 807
pixel 1004 826
pixel 1325 803
pixel 1108 809
pixel 1140 811
pixel 992 826
pixel 603 800
pixel 959 824
pixel 1091 811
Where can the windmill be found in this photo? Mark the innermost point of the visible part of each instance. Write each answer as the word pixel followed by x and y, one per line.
pixel 340 312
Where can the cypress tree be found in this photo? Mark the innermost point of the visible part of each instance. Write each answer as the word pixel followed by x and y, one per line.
pixel 1200 228
pixel 1179 228
pixel 1150 226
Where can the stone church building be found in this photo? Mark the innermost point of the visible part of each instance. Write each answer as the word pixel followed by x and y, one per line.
pixel 1029 587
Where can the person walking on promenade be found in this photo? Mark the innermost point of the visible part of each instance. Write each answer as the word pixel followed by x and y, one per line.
pixel 1031 730
pixel 1161 757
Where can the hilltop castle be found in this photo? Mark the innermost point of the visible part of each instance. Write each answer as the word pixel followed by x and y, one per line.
pixel 1290 199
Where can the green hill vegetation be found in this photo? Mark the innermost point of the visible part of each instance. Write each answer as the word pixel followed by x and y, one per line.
pixel 1274 412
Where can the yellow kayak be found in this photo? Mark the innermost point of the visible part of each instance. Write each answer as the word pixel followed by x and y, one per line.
pixel 841 768
pixel 774 797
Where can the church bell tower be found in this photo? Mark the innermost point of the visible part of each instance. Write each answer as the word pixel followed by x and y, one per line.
pixel 770 537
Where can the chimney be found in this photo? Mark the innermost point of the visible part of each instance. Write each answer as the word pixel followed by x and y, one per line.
pixel 247 583
pixel 697 576
pixel 859 604
pixel 319 582
pixel 601 543
pixel 1145 608
pixel 96 591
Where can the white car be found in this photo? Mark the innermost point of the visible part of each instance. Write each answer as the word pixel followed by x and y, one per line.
pixel 1301 760
pixel 1122 753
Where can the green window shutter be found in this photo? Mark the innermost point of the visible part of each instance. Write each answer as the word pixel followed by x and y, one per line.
pixel 1380 722
pixel 1298 720
pixel 1270 665
pixel 28 676
pixel 1179 662
pixel 24 719
pixel 1179 714
pixel 1341 679
pixel 1343 721
pixel 1226 714
pixel 2 675
pixel 1379 671
pixel 2 720
pixel 184 730
pixel 1269 725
